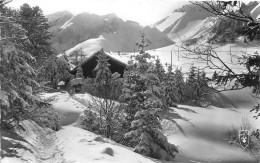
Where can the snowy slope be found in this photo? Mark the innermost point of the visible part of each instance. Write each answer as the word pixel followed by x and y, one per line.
pixel 168 21
pixel 67 24
pixel 58 19
pixel 178 59
pixel 205 137
pixel 191 22
pixel 206 130
pixel 30 143
pixel 188 22
pixel 66 106
pixel 70 144
pixel 255 13
pixel 80 146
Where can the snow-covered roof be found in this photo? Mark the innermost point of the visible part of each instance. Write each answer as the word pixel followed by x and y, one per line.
pixel 117 58
pixel 120 59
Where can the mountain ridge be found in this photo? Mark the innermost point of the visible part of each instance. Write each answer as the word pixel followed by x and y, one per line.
pixel 117 34
pixel 190 22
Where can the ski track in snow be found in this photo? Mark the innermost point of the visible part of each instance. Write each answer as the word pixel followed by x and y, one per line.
pixel 46 149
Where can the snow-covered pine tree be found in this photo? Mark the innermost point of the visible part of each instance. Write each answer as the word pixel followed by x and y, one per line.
pixel 141 92
pixel 102 70
pixel 158 69
pixel 37 27
pixel 174 87
pixel 54 70
pixel 191 75
pixel 197 85
pixel 106 88
pixel 17 100
pixel 180 84
pixel 203 88
pixel 192 83
pixel 77 56
pixel 171 96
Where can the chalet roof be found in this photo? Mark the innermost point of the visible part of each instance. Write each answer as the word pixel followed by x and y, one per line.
pixel 114 57
pixel 121 60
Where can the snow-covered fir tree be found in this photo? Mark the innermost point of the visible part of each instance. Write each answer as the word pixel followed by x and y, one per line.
pixel 171 96
pixel 142 93
pixel 37 27
pixel 180 84
pixel 77 56
pixel 174 87
pixel 102 70
pixel 106 89
pixel 196 84
pixel 158 68
pixel 17 100
pixel 191 75
pixel 54 70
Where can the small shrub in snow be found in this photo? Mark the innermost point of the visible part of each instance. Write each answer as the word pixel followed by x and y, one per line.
pixel 47 117
pixel 90 121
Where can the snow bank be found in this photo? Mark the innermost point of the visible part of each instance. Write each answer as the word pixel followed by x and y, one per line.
pixel 239 99
pixel 207 136
pixel 207 129
pixel 69 109
pixel 30 143
pixel 82 146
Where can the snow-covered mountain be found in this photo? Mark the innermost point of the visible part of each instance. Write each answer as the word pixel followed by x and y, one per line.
pixel 58 19
pixel 188 22
pixel 107 31
pixel 191 22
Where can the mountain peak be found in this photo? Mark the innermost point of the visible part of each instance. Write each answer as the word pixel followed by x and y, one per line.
pixel 110 16
pixel 189 8
pixel 60 14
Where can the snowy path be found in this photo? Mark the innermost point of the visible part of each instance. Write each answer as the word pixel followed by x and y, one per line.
pixel 44 143
pixel 47 149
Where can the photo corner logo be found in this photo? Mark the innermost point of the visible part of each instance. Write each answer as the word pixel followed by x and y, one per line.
pixel 244 138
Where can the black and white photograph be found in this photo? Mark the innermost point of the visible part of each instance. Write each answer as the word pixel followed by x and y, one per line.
pixel 130 81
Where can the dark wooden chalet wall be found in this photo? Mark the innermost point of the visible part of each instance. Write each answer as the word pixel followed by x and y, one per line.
pixel 89 65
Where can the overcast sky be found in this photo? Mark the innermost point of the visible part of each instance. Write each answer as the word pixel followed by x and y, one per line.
pixel 145 12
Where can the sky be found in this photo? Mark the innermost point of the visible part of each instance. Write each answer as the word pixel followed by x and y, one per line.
pixel 145 12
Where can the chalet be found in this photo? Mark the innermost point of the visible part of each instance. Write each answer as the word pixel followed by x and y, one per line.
pixel 88 65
